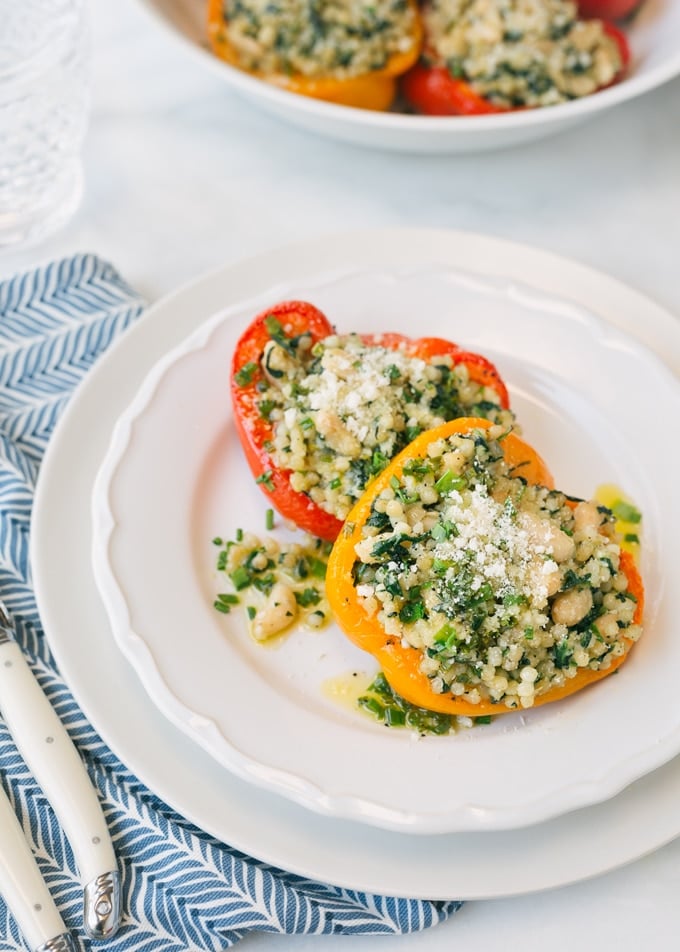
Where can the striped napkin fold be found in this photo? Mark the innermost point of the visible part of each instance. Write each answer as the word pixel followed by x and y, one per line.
pixel 182 889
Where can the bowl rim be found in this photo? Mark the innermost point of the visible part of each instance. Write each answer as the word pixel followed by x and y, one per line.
pixel 629 88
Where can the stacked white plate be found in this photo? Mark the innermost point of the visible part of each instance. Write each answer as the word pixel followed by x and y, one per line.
pixel 244 740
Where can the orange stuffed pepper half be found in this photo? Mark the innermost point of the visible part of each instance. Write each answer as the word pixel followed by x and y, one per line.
pixel 479 587
pixel 350 53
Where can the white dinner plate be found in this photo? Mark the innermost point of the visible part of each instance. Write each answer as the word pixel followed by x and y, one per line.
pixel 473 865
pixel 655 43
pixel 174 478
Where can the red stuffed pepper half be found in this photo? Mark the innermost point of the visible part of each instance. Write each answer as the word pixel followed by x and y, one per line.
pixel 320 414
pixel 491 56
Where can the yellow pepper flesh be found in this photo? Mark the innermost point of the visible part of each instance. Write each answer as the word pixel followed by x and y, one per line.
pixel 400 664
pixel 374 90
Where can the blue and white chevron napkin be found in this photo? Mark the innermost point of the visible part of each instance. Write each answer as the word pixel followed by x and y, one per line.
pixel 182 890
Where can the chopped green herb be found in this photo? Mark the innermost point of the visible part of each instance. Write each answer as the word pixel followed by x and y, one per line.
pixel 265 479
pixel 449 482
pixel 444 530
pixel 245 375
pixel 265 408
pixel 228 599
pixel 309 596
pixel 394 711
pixel 317 567
pixel 563 655
pixel 241 578
pixel 626 512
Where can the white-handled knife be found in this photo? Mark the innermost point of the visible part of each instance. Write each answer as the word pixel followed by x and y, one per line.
pixel 24 889
pixel 53 760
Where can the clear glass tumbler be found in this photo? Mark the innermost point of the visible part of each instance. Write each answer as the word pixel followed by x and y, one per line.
pixel 44 105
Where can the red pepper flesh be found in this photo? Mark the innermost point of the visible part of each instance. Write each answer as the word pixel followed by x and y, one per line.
pixel 255 432
pixel 435 92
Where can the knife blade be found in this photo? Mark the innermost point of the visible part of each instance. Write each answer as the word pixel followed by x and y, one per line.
pixel 24 889
pixel 49 753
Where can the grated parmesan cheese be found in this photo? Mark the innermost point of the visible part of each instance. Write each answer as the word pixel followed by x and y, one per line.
pixel 342 409
pixel 505 588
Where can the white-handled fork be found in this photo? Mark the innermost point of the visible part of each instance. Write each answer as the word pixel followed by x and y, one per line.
pixel 53 760
pixel 24 889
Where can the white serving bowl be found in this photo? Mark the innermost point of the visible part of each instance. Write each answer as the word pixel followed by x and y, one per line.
pixel 654 36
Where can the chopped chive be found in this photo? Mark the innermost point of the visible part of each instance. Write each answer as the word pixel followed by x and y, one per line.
pixel 394 717
pixel 444 530
pixel 228 599
pixel 317 567
pixel 441 566
pixel 217 541
pixel 448 482
pixel 446 636
pixel 239 535
pixel 631 537
pixel 241 578
pixel 221 607
pixel 335 483
pixel 265 479
pixel 245 375
pixel 269 519
pixel 265 408
pixel 378 463
pixel 626 512
pixel 372 704
pixel 252 611
pixel 310 596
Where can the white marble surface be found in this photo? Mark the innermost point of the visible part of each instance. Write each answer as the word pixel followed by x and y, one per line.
pixel 183 176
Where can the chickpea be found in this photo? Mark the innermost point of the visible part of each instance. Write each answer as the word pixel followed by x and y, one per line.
pixel 336 434
pixel 278 612
pixel 572 606
pixel 608 627
pixel 561 544
pixel 587 517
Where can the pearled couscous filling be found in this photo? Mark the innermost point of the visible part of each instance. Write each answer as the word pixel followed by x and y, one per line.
pixel 505 588
pixel 342 410
pixel 280 584
pixel 522 52
pixel 339 38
